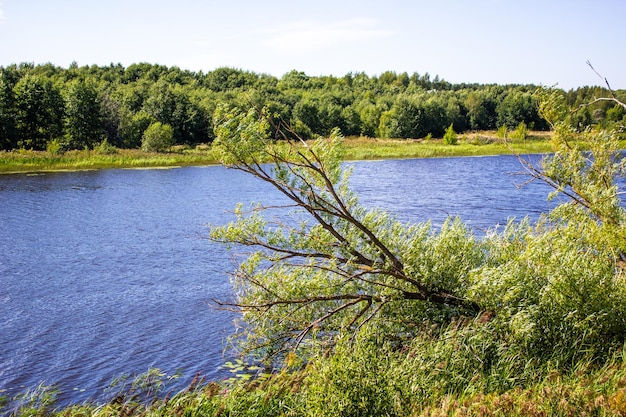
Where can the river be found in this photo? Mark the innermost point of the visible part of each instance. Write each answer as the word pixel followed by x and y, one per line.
pixel 105 273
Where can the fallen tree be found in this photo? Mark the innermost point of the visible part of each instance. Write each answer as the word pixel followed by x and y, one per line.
pixel 345 265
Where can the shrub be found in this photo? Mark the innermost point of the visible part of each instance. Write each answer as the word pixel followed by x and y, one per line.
pixel 357 380
pixel 157 137
pixel 450 137
pixel 105 148
pixel 521 132
pixel 55 147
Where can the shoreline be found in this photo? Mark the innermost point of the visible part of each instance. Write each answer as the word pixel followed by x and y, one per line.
pixel 356 149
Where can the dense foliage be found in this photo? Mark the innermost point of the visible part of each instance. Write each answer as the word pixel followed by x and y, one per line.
pixel 387 314
pixel 79 107
pixel 541 289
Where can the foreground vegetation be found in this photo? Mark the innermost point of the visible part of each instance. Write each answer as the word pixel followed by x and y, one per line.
pixel 363 382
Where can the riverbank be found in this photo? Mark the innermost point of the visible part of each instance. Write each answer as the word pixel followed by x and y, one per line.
pixel 472 144
pixel 587 389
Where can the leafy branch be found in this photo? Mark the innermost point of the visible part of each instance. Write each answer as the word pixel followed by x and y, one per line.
pixel 324 279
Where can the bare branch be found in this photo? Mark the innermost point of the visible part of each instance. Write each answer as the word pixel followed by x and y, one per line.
pixel 540 175
pixel 613 97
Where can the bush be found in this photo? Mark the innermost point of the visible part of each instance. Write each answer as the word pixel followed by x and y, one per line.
pixel 450 137
pixel 158 137
pixel 431 313
pixel 521 132
pixel 105 148
pixel 357 380
pixel 55 147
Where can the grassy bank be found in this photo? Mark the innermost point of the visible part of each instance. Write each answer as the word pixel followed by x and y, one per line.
pixel 381 387
pixel 41 161
pixel 476 144
pixel 473 144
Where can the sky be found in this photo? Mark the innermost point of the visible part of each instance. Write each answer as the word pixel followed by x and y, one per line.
pixel 541 42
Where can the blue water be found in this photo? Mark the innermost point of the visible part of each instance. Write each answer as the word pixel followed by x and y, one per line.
pixel 109 272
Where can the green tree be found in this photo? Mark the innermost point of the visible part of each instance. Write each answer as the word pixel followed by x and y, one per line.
pixel 8 108
pixel 132 126
pixel 83 119
pixel 224 79
pixel 40 109
pixel 172 105
pixel 349 267
pixel 306 118
pixel 549 293
pixel 435 118
pixel 481 109
pixel 161 103
pixel 518 107
pixel 110 110
pixel 294 80
pixel 158 137
pixel 615 114
pixel 405 119
pixel 369 116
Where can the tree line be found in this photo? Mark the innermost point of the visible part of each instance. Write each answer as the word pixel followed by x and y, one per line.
pixel 50 107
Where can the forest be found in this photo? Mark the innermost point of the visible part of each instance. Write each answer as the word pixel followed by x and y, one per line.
pixel 46 107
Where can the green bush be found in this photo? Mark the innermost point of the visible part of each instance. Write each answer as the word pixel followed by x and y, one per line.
pixel 55 147
pixel 521 132
pixel 450 137
pixel 105 148
pixel 357 380
pixel 157 137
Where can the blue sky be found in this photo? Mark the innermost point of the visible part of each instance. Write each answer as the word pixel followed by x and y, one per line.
pixel 486 41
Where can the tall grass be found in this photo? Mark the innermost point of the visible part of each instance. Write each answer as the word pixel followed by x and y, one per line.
pixel 363 382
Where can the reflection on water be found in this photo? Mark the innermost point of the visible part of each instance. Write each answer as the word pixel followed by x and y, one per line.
pixel 109 272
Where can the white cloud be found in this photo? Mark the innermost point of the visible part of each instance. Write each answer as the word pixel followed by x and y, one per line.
pixel 308 34
pixel 2 16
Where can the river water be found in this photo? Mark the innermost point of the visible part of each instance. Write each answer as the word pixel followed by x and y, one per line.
pixel 105 273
